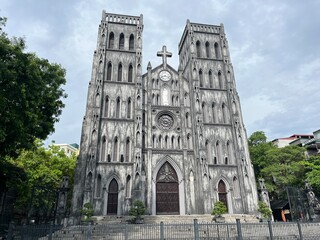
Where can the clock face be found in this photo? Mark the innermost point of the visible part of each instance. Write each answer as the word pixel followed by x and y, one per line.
pixel 165 75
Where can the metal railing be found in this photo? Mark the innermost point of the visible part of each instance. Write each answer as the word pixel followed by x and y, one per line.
pixel 174 231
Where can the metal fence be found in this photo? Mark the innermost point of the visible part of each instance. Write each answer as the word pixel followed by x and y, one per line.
pixel 174 231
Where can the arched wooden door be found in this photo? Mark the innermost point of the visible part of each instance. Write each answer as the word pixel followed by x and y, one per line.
pixel 167 190
pixel 112 197
pixel 222 191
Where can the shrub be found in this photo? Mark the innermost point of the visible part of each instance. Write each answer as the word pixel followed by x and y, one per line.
pixel 219 209
pixel 137 209
pixel 87 211
pixel 264 210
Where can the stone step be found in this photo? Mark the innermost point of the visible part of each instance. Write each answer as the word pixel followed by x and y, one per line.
pixel 229 218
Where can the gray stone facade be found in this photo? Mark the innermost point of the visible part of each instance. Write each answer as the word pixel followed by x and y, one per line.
pixel 174 139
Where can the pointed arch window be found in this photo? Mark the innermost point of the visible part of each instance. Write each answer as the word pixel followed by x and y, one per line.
pixel 120 72
pixel 138 138
pixel 220 80
pixel 229 151
pixel 106 107
pixel 111 40
pixel 118 108
pixel 103 149
pixel 210 79
pixel 128 187
pixel 189 140
pixel 179 142
pixel 208 49
pixel 214 113
pixel 131 42
pixel 224 113
pixel 173 142
pixel 121 41
pixel 109 71
pixel 166 142
pixel 128 150
pixel 201 78
pixel 98 187
pixel 222 191
pixel 198 46
pixel 204 112
pixel 130 73
pixel 160 141
pixel 89 180
pixel 154 141
pixel 115 149
pixel 216 50
pixel 218 152
pixel 129 108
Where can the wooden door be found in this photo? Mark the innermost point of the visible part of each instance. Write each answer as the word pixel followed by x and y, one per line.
pixel 112 197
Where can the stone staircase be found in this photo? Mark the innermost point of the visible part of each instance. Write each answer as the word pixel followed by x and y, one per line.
pixel 149 219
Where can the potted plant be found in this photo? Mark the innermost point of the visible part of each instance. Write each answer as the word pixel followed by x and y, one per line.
pixel 217 211
pixel 137 210
pixel 264 209
pixel 87 211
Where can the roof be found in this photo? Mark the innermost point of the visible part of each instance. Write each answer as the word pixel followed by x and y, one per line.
pixel 280 204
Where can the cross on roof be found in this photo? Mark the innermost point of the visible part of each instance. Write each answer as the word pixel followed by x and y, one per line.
pixel 164 54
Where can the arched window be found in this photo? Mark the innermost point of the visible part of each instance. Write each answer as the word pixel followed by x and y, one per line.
pixel 189 140
pixel 115 149
pixel 103 149
pixel 177 101
pixel 131 42
pixel 172 142
pixel 166 142
pixel 121 41
pixel 153 99
pixel 214 113
pixel 118 108
pixel 111 40
pixel 229 151
pixel 226 160
pixel 89 180
pixel 172 100
pixel 158 99
pixel 130 73
pixel 204 112
pixel 179 142
pixel 218 151
pixel 220 80
pixel 109 71
pixel 154 141
pixel 160 141
pixel 216 50
pixel 106 107
pixel 210 79
pixel 129 108
pixel 208 49
pixel 224 113
pixel 98 186
pixel 201 78
pixel 128 187
pixel 120 72
pixel 236 187
pixel 128 150
pixel 138 138
pixel 198 45
pixel 222 191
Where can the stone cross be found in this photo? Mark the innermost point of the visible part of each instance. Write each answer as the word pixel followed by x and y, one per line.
pixel 164 54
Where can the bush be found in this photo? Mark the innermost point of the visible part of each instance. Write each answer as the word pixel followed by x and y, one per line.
pixel 137 209
pixel 219 209
pixel 87 211
pixel 264 210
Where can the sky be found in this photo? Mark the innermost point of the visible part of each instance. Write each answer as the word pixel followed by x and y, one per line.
pixel 274 47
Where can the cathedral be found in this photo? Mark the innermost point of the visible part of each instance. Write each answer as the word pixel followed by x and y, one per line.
pixel 172 138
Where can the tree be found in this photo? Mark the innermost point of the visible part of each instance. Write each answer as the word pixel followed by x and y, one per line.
pixel 258 148
pixel 44 169
pixel 30 96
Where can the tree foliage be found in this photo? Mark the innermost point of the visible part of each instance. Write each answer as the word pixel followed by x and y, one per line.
pixel 219 208
pixel 282 167
pixel 30 95
pixel 44 169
